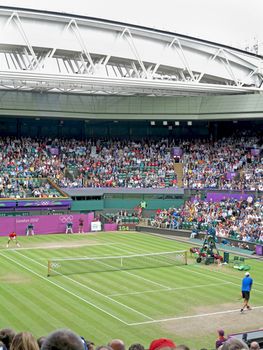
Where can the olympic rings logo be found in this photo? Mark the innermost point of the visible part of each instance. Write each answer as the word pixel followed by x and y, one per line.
pixel 45 203
pixel 66 218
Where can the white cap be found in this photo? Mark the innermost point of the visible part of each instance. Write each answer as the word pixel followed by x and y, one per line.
pixel 247 274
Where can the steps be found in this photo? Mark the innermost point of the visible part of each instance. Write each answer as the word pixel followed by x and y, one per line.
pixel 178 168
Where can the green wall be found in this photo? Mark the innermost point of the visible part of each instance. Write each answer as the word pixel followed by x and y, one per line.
pixel 87 205
pixel 124 203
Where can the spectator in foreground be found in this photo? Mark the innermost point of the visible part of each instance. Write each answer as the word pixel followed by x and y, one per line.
pixel 254 346
pixel 6 336
pixel 40 341
pixel 136 346
pixel 90 345
pixel 234 344
pixel 117 344
pixel 2 346
pixel 62 339
pixel 103 347
pixel 24 341
pixel 221 338
pixel 162 343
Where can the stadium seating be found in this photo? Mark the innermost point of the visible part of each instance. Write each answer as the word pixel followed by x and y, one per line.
pixel 233 219
pixel 225 164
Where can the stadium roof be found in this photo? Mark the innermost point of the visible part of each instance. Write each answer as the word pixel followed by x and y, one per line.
pixel 62 52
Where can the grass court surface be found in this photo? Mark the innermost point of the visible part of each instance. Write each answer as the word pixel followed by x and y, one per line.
pixel 187 303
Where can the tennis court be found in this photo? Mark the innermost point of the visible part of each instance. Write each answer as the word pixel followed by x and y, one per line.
pixel 135 304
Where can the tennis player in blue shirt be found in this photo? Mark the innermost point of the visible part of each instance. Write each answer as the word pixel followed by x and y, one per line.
pixel 246 288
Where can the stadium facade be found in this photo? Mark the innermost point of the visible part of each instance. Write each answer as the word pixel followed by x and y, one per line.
pixel 66 75
pixel 70 66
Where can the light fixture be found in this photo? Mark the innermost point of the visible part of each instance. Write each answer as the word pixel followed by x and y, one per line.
pixel 177 123
pixel 152 122
pixel 189 123
pixel 170 127
pixel 165 122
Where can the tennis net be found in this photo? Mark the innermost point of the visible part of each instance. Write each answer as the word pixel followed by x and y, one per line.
pixel 67 266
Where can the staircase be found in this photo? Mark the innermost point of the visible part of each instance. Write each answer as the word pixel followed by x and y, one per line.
pixel 178 168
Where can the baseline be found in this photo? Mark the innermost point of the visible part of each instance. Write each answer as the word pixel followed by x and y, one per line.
pixel 190 316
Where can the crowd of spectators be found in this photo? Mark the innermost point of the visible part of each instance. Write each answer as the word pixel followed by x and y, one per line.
pixel 241 220
pixel 100 163
pixel 229 164
pixel 65 339
pixel 26 188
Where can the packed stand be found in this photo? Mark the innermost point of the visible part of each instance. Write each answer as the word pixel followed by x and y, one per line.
pixel 230 164
pixel 234 219
pixel 26 188
pixel 72 163
pixel 227 164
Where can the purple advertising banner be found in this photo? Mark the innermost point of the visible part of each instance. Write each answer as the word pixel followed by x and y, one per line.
pixel 259 249
pixel 54 151
pixel 110 227
pixel 219 196
pixel 255 151
pixel 44 224
pixel 177 152
pixel 44 202
pixel 230 175
pixel 7 204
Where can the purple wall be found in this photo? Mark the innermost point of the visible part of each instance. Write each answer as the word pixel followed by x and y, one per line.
pixel 219 196
pixel 259 250
pixel 110 227
pixel 44 223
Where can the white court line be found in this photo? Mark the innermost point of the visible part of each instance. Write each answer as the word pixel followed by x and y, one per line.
pixel 182 267
pixel 182 317
pixel 205 274
pixel 191 316
pixel 140 277
pixel 113 245
pixel 170 289
pixel 64 289
pixel 59 246
pixel 93 290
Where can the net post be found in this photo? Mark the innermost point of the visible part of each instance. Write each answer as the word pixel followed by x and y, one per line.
pixel 185 257
pixel 48 268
